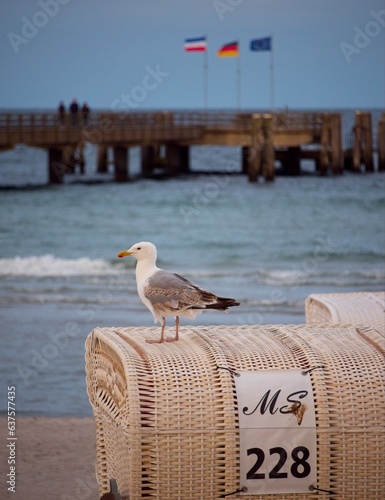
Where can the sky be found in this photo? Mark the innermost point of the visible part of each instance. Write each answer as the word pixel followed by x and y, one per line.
pixel 129 55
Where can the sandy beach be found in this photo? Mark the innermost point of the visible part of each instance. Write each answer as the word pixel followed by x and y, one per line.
pixel 55 458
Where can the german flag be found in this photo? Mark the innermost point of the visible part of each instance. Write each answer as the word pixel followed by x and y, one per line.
pixel 229 50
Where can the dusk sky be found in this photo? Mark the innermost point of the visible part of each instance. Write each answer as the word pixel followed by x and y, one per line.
pixel 128 54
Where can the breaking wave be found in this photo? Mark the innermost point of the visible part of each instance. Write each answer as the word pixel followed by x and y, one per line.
pixel 51 266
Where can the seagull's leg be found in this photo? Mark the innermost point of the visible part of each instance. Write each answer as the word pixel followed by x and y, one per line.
pixel 176 331
pixel 161 334
pixel 163 327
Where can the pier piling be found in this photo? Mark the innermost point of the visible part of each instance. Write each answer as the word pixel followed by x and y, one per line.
pixel 121 163
pixel 254 156
pixel 335 138
pixel 148 159
pixel 56 166
pixel 363 146
pixel 381 143
pixel 331 153
pixel 245 151
pixel 292 161
pixel 177 159
pixel 325 142
pixel 102 160
pixel 268 170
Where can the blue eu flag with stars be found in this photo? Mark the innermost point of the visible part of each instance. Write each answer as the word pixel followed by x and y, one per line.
pixel 260 44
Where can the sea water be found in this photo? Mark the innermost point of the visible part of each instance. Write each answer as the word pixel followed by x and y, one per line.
pixel 268 245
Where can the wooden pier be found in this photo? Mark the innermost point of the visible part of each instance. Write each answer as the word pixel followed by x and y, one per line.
pixel 266 140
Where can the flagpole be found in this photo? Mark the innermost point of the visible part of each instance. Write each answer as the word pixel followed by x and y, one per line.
pixel 238 79
pixel 271 76
pixel 205 79
pixel 232 50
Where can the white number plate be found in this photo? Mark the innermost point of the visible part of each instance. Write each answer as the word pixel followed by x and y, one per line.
pixel 277 432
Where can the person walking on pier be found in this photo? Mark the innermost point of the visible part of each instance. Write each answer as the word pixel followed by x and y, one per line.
pixel 74 109
pixel 85 113
pixel 61 111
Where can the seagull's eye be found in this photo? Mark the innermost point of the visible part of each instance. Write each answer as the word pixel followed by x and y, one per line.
pixel 139 248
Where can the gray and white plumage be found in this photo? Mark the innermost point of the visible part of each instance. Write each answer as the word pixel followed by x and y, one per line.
pixel 169 294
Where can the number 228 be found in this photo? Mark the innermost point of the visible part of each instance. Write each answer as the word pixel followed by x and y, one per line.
pixel 300 468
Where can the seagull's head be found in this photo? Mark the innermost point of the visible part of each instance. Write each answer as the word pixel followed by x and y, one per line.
pixel 141 251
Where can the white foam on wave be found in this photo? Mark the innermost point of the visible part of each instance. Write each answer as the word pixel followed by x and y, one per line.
pixel 283 276
pixel 51 266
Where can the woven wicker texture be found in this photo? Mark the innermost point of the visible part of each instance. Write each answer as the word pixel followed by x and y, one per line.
pixel 365 308
pixel 166 416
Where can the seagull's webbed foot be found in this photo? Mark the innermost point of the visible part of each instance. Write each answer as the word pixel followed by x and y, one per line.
pixel 162 339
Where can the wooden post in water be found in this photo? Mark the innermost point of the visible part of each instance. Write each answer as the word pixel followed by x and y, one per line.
pixel 102 161
pixel 69 159
pixel 292 161
pixel 363 145
pixel 185 158
pixel 357 139
pixel 368 142
pixel 177 159
pixel 245 151
pixel 81 157
pixel 148 159
pixel 325 145
pixel 268 169
pixel 56 166
pixel 254 159
pixel 336 143
pixel 121 163
pixel 331 153
pixel 381 143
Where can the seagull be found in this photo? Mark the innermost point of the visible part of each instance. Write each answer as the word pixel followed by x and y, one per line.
pixel 169 294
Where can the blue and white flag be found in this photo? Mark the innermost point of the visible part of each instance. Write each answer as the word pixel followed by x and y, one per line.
pixel 261 44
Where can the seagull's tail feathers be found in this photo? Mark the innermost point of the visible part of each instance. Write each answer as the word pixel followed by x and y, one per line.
pixel 222 304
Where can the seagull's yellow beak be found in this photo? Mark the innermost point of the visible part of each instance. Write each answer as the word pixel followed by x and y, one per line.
pixel 125 253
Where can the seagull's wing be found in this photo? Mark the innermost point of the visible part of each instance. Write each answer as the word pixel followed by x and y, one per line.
pixel 165 289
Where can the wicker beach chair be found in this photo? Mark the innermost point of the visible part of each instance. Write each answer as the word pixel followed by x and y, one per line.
pixel 167 419
pixel 365 308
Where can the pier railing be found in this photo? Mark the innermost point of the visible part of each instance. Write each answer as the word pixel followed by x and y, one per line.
pixel 306 121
